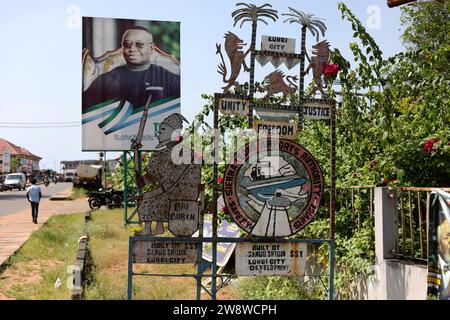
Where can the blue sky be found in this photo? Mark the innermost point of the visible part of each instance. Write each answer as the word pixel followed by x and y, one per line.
pixel 40 58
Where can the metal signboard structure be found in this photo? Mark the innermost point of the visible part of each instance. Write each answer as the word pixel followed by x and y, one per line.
pixel 164 252
pixel 234 106
pixel 297 178
pixel 271 259
pixel 276 190
pixel 296 244
pixel 268 216
pixel 282 129
pixel 278 44
pixel 312 109
pixel 183 217
pixel 317 109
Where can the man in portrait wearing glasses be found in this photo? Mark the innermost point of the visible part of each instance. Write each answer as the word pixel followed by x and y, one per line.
pixel 443 234
pixel 134 81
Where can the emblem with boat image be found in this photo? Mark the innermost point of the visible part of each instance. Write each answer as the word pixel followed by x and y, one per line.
pixel 276 192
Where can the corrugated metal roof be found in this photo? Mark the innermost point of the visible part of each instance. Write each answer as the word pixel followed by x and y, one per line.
pixel 16 150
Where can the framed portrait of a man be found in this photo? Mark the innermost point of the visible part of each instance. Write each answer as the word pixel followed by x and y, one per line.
pixel 127 64
pixel 439 246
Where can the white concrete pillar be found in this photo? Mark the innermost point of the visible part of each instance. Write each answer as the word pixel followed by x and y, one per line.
pixel 386 224
pixel 385 241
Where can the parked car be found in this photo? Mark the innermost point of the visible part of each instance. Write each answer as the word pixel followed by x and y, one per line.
pixel 16 181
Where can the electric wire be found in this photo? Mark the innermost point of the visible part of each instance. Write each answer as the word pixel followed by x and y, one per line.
pixel 42 125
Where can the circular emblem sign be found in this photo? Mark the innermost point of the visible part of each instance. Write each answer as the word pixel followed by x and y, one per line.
pixel 273 190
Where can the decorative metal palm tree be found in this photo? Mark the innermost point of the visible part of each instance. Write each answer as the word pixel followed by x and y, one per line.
pixel 307 21
pixel 252 13
pixel 314 25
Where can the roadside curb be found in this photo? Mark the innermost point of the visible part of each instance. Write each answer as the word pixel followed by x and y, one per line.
pixel 64 195
pixel 82 263
pixel 59 197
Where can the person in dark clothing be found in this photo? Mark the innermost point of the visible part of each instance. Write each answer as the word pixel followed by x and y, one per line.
pixel 135 80
pixel 34 196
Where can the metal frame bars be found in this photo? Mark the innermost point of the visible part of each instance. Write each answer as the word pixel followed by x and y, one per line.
pixel 332 170
pixel 410 203
pixel 128 177
pixel 215 240
pixel 214 199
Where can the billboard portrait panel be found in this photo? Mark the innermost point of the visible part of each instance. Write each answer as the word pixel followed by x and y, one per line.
pixel 439 246
pixel 126 63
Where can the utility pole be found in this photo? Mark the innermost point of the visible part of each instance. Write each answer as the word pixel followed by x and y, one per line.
pixel 105 165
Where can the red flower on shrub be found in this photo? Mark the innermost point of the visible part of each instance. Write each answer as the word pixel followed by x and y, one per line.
pixel 330 70
pixel 428 145
pixel 142 158
pixel 220 180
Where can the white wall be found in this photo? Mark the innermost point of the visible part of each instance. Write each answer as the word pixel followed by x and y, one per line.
pixel 394 279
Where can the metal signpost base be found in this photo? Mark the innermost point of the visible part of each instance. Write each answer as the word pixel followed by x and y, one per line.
pixel 225 277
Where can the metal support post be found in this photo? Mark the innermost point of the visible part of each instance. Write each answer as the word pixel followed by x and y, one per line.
pixel 214 199
pixel 331 271
pixel 332 169
pixel 125 188
pixel 130 269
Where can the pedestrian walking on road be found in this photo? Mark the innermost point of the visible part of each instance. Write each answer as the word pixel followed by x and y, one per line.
pixel 34 196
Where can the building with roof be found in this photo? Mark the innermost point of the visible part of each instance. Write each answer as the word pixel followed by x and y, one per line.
pixel 73 164
pixel 21 160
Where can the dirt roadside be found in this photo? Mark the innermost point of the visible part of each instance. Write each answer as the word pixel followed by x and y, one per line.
pixel 15 229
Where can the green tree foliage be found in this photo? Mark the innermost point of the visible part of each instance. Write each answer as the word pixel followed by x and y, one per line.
pixel 393 122
pixel 426 25
pixel 404 104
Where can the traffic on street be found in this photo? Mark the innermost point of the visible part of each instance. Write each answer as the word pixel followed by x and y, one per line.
pixel 13 201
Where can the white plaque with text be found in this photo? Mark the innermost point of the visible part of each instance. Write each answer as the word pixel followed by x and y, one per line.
pixel 254 259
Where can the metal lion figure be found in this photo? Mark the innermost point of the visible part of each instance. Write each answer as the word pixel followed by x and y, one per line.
pixel 233 48
pixel 176 181
pixel 321 56
pixel 274 83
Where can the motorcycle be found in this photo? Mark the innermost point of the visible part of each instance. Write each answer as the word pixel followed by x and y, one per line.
pixel 109 197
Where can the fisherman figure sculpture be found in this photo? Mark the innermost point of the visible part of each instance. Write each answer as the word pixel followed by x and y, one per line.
pixel 176 181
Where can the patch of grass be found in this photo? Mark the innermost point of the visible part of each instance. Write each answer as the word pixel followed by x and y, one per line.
pixel 271 288
pixel 33 270
pixel 78 192
pixel 104 231
pixel 108 243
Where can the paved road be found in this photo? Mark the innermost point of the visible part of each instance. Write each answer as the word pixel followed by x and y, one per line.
pixel 15 201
